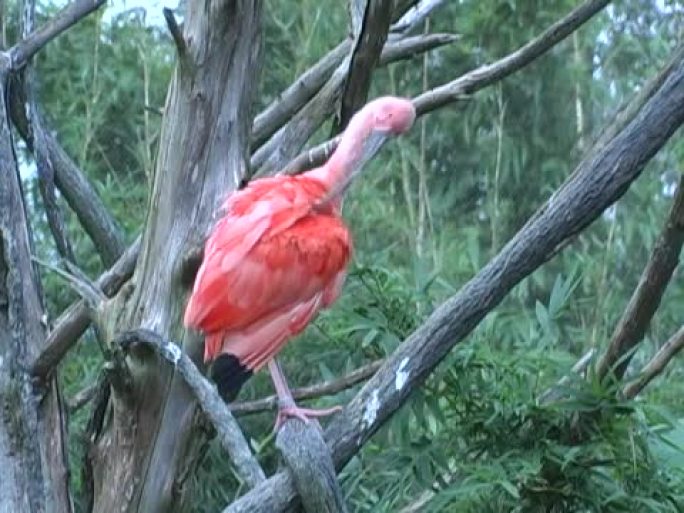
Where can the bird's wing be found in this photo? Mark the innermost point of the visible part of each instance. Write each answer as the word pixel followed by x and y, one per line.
pixel 280 270
pixel 264 261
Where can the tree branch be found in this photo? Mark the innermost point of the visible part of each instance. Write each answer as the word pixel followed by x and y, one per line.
pixel 22 52
pixel 229 432
pixel 176 33
pixel 656 365
pixel 648 293
pixel 296 95
pixel 369 40
pixel 312 80
pixel 491 73
pixel 75 320
pixel 311 392
pixel 409 47
pixel 79 193
pixel 273 156
pixel 308 458
pixel 472 81
pixel 597 182
pixel 414 16
pixel 46 174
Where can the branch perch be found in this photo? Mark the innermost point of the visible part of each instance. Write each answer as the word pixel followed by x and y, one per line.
pixel 229 432
pixel 318 390
pixel 311 466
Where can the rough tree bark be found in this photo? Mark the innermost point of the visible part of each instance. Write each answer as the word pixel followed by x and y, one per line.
pixel 150 441
pixel 34 473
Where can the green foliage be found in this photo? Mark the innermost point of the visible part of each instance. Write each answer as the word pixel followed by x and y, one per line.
pixel 426 216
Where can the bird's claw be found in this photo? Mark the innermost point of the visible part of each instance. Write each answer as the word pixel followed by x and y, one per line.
pixel 291 410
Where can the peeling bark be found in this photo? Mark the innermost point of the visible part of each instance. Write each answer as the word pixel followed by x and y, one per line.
pixel 145 452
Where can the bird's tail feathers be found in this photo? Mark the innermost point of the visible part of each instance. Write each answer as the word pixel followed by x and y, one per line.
pixel 229 375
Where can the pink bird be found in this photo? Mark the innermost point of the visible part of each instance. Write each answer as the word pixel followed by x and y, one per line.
pixel 278 255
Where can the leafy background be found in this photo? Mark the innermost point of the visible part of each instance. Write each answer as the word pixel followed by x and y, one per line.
pixel 427 214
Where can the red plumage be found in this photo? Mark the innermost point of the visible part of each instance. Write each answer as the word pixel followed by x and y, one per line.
pixel 272 261
pixel 279 254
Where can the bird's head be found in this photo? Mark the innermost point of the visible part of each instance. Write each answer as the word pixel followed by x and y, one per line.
pixel 367 131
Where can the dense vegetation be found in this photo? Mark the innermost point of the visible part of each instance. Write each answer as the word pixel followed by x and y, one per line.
pixel 428 213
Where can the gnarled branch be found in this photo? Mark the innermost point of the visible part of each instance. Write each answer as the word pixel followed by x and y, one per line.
pixel 472 81
pixel 229 432
pixel 75 320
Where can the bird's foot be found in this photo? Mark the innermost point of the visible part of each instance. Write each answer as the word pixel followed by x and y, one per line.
pixel 289 410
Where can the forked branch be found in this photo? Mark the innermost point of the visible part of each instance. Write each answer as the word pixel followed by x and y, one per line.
pixel 229 433
pixel 75 320
pixel 24 50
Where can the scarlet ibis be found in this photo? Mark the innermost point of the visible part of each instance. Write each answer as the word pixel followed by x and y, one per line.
pixel 278 255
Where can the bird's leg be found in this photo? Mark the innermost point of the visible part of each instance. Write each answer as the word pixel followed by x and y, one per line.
pixel 286 404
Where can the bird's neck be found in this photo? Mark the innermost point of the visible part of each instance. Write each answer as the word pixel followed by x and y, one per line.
pixel 337 172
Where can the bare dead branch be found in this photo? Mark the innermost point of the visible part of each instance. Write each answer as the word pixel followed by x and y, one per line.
pixel 472 81
pixel 370 37
pixel 296 95
pixel 277 152
pixel 310 82
pixel 308 458
pixel 311 392
pixel 72 182
pixel 75 320
pixel 228 430
pixel 82 397
pixel 46 174
pixel 88 291
pixel 22 52
pixel 656 365
pixel 491 73
pixel 415 16
pixel 598 181
pixel 647 296
pixel 176 33
pixel 35 471
pixel 409 47
pixel 312 157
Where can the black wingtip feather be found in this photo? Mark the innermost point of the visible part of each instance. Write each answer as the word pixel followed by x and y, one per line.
pixel 229 375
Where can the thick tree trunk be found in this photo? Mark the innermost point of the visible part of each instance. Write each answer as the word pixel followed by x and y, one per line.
pixel 149 443
pixel 33 470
